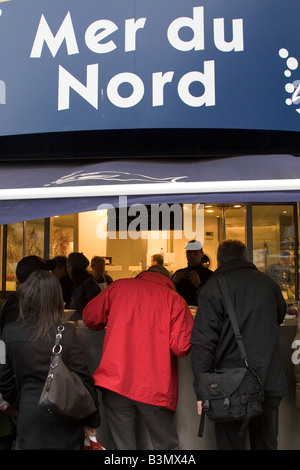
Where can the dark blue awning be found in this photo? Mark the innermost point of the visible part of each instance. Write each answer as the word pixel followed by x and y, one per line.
pixel 40 190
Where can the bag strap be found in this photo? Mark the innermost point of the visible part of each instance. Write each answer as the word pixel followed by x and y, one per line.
pixel 201 424
pixel 232 317
pixel 58 338
pixel 239 339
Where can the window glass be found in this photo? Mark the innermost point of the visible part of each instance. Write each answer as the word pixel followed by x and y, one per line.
pixel 274 244
pixel 236 222
pixel 208 223
pixel 23 239
pixel 34 237
pixel 213 233
pixel 63 234
pixel 14 252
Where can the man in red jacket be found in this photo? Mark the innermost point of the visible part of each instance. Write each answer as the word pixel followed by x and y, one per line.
pixel 148 325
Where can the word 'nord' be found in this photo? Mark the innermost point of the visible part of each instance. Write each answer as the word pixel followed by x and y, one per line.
pixel 90 92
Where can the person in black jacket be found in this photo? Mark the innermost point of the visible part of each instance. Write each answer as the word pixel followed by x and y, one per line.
pixel 60 271
pixel 29 342
pixel 260 309
pixel 85 287
pixel 27 265
pixel 188 280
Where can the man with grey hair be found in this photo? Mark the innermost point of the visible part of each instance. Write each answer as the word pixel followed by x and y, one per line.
pixel 157 259
pixel 259 309
pixel 188 280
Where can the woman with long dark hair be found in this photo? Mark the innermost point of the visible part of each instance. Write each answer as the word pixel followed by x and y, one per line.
pixel 29 342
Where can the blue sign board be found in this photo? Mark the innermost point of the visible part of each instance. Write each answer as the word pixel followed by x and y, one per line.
pixel 77 65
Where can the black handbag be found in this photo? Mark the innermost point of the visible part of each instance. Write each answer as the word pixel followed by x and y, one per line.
pixel 64 394
pixel 231 394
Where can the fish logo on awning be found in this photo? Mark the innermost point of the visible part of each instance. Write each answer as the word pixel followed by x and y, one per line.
pixel 116 176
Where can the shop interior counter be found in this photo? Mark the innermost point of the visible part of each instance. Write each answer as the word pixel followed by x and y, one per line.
pixel 186 416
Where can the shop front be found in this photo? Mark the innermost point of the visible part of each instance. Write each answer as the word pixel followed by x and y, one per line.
pixel 269 230
pixel 127 228
pixel 129 131
pixel 153 207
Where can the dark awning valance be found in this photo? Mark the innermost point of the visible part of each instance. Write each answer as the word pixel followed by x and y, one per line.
pixel 29 192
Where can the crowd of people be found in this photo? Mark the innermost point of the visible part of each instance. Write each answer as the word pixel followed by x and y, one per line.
pixel 149 325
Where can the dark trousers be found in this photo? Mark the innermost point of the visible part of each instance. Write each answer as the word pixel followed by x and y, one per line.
pixel 6 442
pixel 121 420
pixel 262 430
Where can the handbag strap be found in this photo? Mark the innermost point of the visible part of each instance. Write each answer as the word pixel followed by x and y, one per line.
pixel 236 330
pixel 232 317
pixel 58 338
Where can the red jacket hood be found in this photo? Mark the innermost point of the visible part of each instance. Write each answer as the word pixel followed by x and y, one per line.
pixel 158 278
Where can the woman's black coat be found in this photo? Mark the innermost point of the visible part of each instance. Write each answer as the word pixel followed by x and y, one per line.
pixel 22 378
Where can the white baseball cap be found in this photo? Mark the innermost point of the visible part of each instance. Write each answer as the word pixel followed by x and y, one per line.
pixel 193 245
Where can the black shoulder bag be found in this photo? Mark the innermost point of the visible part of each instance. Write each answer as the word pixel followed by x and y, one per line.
pixel 231 394
pixel 64 394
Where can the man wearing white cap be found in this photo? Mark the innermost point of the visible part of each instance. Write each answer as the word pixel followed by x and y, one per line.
pixel 188 280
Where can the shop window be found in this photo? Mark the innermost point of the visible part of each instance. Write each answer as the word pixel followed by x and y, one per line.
pixel 63 235
pixel 274 245
pixel 236 222
pixel 209 223
pixel 34 237
pixel 222 221
pixel 23 239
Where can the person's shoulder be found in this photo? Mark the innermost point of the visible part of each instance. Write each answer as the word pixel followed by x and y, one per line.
pixel 90 281
pixel 108 278
pixel 66 280
pixel 204 270
pixel 122 284
pixel 181 270
pixel 123 281
pixel 9 311
pixel 12 330
pixel 12 300
pixel 211 284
